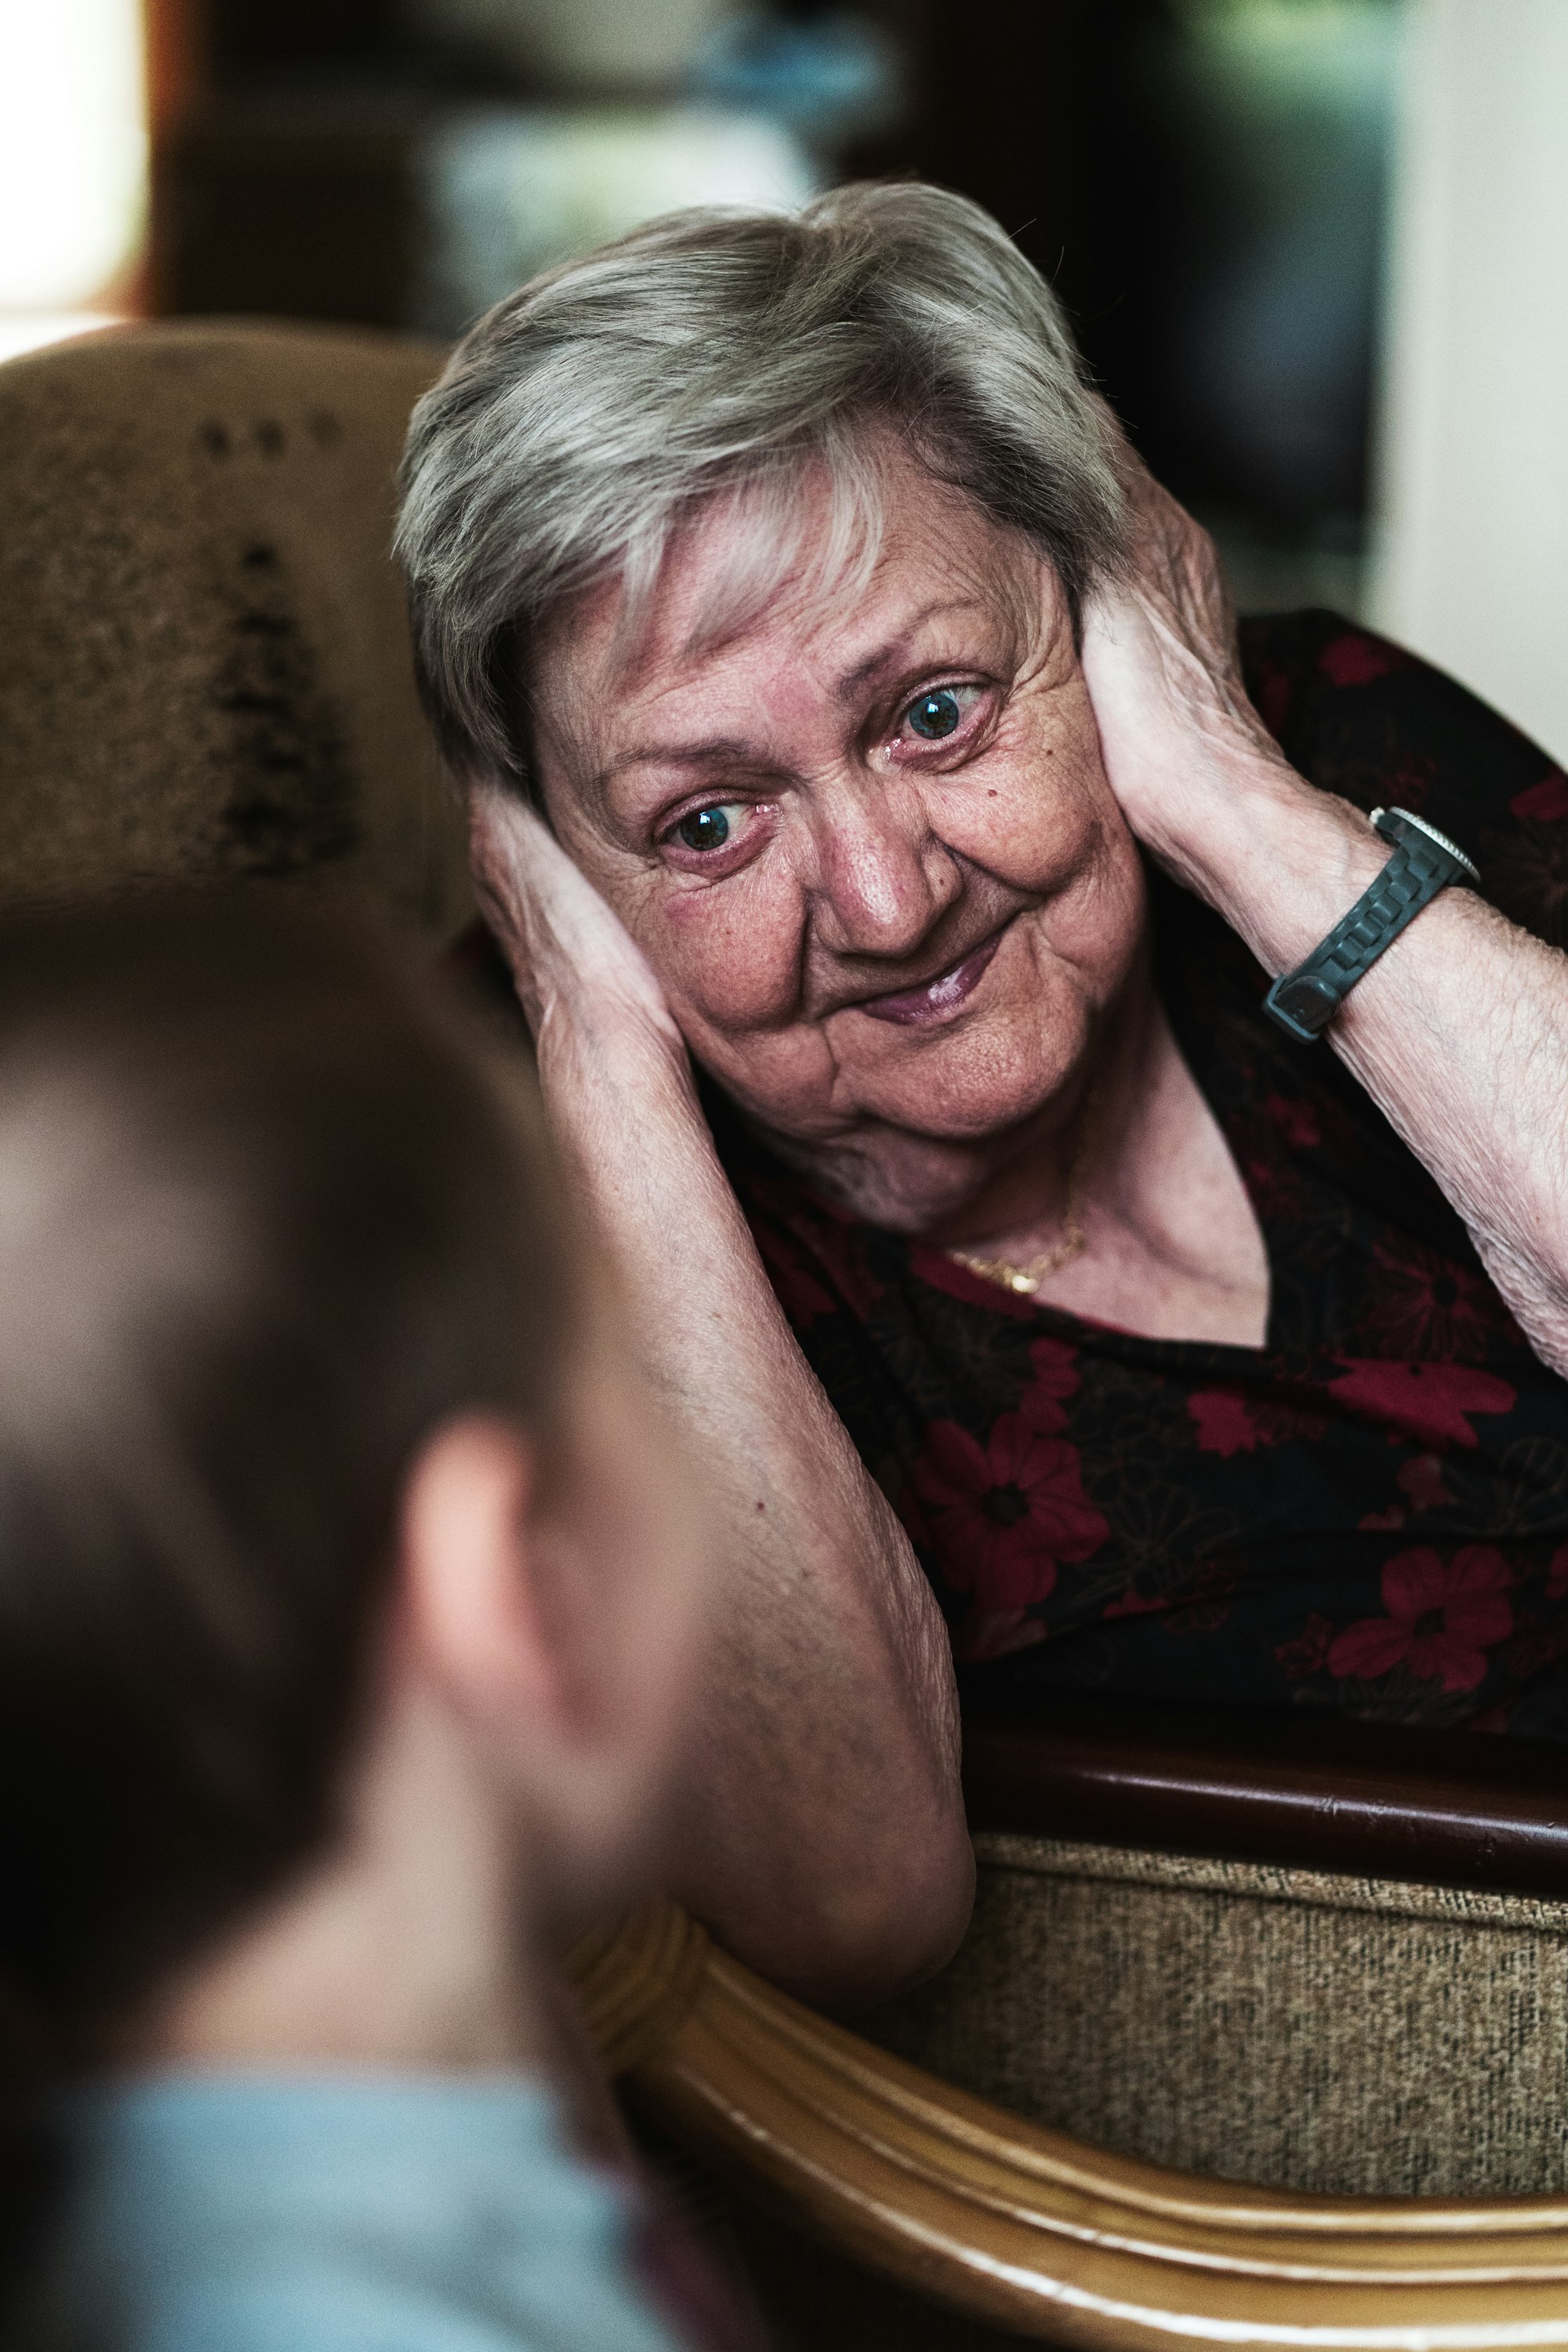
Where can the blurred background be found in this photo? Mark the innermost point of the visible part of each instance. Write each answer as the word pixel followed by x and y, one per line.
pixel 1315 251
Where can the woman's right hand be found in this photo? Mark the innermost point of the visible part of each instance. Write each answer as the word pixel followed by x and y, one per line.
pixel 821 1833
pixel 572 961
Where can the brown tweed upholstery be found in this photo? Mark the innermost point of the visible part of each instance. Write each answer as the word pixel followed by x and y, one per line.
pixel 1271 2025
pixel 1266 2024
pixel 204 663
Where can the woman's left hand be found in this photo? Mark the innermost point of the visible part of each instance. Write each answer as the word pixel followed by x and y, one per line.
pixel 1460 1032
pixel 1181 743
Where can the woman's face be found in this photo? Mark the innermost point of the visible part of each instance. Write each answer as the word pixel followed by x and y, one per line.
pixel 872 855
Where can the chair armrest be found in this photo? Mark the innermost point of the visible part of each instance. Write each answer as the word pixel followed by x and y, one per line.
pixel 1445 1808
pixel 1026 2228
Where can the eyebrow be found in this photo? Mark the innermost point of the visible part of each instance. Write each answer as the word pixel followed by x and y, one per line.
pixel 718 751
pixel 886 656
pixel 727 751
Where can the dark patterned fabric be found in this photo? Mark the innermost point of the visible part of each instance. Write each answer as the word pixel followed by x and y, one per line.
pixel 1368 1514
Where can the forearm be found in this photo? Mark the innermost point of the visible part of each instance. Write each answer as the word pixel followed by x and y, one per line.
pixel 1459 1032
pixel 821 1834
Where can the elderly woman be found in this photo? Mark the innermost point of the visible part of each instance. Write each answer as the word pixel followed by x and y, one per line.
pixel 893 868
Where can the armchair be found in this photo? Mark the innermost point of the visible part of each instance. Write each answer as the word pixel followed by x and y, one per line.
pixel 1260 2034
pixel 1311 1970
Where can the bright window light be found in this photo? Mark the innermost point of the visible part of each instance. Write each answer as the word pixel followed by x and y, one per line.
pixel 73 148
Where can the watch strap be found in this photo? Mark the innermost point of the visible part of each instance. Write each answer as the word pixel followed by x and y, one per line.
pixel 1424 861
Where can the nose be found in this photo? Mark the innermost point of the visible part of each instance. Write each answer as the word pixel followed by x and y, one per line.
pixel 883 877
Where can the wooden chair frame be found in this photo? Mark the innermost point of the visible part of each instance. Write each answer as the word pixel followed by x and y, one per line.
pixel 1038 2233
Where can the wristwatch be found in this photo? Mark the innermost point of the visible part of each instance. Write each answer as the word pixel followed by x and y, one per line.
pixel 1424 861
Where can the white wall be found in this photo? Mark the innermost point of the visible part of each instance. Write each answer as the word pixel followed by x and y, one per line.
pixel 73 148
pixel 1473 569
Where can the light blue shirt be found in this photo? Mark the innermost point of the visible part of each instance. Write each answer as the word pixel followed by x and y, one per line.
pixel 233 2212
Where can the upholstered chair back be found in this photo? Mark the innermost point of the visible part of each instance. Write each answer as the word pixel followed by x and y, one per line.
pixel 1296 2029
pixel 205 668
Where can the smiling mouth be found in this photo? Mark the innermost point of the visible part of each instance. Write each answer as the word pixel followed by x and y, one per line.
pixel 934 1000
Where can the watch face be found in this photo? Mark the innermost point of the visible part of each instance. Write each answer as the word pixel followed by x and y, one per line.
pixel 1403 824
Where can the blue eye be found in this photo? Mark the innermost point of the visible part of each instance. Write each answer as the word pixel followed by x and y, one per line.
pixel 707 828
pixel 935 715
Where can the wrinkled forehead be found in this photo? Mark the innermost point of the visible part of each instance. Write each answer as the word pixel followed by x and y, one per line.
pixel 819 556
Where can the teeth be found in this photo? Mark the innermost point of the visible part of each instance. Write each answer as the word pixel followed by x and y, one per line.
pixel 943 990
pixel 946 985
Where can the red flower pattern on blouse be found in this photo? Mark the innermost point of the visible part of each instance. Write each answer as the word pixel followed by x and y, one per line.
pixel 1205 1598
pixel 1422 1480
pixel 1358 658
pixel 834 1248
pixel 1544 801
pixel 1055 1367
pixel 1425 1306
pixel 1006 1513
pixel 1443 1617
pixel 1226 1422
pixel 1223 1423
pixel 1426 1402
pixel 995 1633
pixel 1309 1653
pixel 1134 1603
pixel 1297 1121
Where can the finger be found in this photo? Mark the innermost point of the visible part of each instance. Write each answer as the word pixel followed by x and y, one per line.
pixel 497 814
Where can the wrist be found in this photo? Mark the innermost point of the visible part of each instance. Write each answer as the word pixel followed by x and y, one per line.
pixel 1422 864
pixel 1279 859
pixel 586 1044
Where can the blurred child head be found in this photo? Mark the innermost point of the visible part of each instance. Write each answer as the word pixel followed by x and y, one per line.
pixel 325 1487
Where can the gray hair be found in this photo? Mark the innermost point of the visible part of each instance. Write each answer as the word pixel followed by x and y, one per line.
pixel 584 419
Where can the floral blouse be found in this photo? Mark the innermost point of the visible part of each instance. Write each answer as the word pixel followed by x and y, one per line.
pixel 1368 1514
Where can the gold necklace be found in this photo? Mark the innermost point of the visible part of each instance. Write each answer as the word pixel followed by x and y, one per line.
pixel 1026 1279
